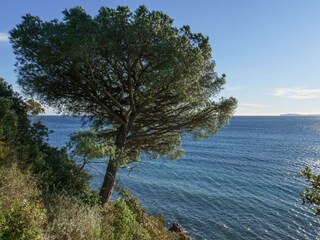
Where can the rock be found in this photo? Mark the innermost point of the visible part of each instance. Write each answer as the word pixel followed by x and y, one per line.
pixel 176 228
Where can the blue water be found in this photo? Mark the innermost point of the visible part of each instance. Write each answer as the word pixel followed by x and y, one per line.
pixel 242 183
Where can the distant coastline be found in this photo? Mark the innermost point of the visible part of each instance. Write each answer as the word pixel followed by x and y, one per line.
pixel 296 115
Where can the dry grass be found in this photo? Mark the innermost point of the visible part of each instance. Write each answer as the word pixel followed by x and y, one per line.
pixel 70 219
pixel 16 186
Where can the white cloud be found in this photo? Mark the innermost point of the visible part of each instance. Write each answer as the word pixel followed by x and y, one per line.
pixel 297 93
pixel 4 37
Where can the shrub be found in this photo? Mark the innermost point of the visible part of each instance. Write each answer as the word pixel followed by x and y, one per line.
pixel 22 220
pixel 16 185
pixel 119 223
pixel 153 225
pixel 22 215
pixel 126 219
pixel 71 219
pixel 57 173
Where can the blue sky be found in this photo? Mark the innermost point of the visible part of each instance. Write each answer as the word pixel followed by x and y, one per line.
pixel 269 49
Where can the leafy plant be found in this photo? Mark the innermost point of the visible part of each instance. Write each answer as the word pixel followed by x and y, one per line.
pixel 22 215
pixel 22 220
pixel 311 194
pixel 86 145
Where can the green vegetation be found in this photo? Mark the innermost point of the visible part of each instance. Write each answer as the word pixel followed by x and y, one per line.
pixel 311 194
pixel 142 81
pixel 23 142
pixel 45 195
pixel 22 215
pixel 69 218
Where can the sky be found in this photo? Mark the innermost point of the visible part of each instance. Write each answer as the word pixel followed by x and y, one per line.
pixel 269 49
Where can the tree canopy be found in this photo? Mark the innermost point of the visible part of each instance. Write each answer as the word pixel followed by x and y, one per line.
pixel 142 81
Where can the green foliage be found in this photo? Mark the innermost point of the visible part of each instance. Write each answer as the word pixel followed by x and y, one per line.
pixel 136 72
pixel 311 194
pixel 56 173
pixel 14 122
pixel 15 185
pixel 126 223
pixel 142 81
pixel 22 221
pixel 24 142
pixel 152 227
pixel 86 145
pixel 34 108
pixel 22 215
pixel 8 121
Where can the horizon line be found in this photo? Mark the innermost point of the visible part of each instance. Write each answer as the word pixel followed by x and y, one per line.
pixel 235 115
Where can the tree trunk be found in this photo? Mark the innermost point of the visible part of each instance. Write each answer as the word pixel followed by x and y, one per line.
pixel 109 182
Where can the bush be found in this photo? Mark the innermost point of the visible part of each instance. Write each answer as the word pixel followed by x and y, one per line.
pixel 125 223
pixel 126 219
pixel 22 220
pixel 22 215
pixel 16 185
pixel 57 173
pixel 153 225
pixel 71 219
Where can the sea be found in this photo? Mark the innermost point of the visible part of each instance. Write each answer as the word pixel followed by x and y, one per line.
pixel 242 183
